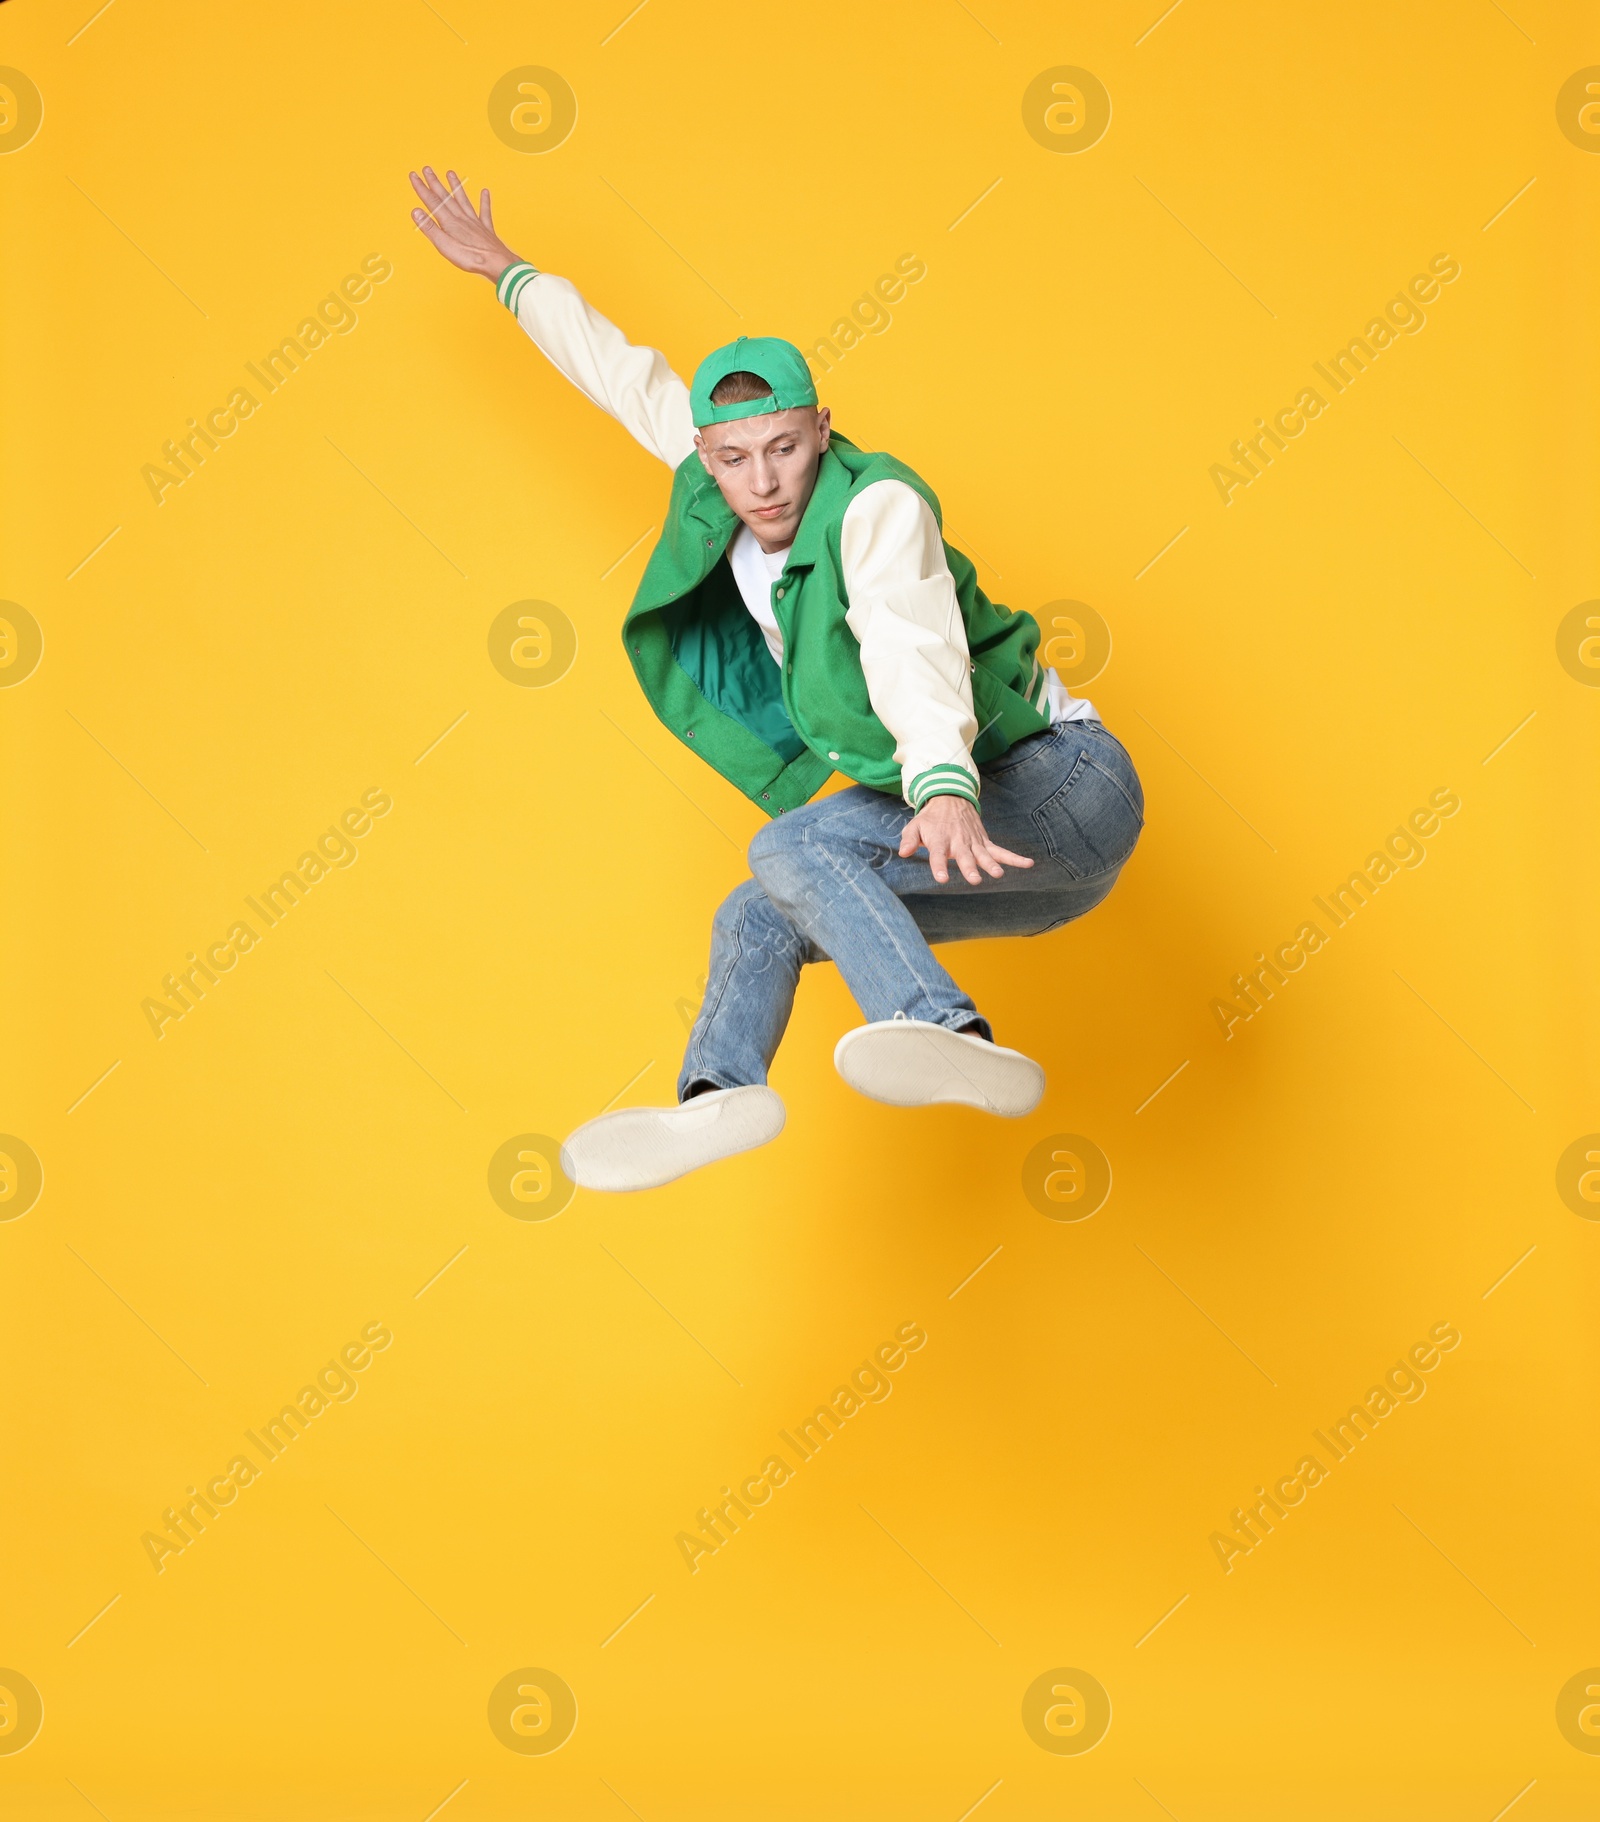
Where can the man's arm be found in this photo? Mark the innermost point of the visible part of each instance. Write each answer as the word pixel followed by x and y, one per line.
pixel 905 614
pixel 636 385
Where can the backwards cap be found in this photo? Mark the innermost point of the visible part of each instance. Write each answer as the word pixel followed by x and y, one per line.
pixel 778 362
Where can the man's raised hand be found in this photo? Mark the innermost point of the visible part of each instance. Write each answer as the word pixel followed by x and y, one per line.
pixel 464 235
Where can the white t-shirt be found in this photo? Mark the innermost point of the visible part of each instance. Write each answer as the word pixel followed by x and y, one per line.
pixel 755 570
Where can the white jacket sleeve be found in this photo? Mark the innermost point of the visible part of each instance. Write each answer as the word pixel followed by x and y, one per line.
pixel 635 384
pixel 903 610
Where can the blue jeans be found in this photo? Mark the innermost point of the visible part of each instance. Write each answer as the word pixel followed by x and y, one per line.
pixel 829 884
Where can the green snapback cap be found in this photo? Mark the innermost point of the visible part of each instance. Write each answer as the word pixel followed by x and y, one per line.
pixel 778 362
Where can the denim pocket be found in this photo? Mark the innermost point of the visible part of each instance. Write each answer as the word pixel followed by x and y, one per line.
pixel 1091 823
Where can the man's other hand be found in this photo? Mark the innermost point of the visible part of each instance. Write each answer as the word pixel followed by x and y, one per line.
pixel 464 235
pixel 950 829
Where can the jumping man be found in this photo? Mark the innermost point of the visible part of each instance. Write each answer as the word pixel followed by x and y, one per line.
pixel 801 614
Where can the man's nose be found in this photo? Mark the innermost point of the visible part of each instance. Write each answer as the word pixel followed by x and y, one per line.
pixel 765 479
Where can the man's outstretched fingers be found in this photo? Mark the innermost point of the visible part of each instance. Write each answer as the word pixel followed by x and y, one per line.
pixel 937 860
pixel 961 853
pixel 1005 855
pixel 913 838
pixel 976 852
pixel 967 843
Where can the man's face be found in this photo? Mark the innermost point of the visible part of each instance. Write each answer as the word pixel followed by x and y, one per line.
pixel 766 468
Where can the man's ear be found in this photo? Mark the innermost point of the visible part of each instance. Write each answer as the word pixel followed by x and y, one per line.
pixel 700 450
pixel 824 425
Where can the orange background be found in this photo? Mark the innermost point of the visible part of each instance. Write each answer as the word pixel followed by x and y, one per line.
pixel 303 1152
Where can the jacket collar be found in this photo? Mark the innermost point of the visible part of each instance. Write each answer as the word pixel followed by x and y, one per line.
pixel 824 508
pixel 706 505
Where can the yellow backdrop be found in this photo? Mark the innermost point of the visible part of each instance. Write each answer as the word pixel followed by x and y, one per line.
pixel 1074 1560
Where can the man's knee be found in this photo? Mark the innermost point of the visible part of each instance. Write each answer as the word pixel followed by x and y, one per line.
pixel 770 846
pixel 749 925
pixel 821 847
pixel 737 906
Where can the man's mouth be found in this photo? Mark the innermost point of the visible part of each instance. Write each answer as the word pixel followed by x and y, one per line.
pixel 771 512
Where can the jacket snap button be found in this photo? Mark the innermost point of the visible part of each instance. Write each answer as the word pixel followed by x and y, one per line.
pixel 833 755
pixel 710 542
pixel 764 796
pixel 780 594
pixel 690 733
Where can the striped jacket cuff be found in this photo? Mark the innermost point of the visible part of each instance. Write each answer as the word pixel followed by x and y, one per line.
pixel 946 780
pixel 511 282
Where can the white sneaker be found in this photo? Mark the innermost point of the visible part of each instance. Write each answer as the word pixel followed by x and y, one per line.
pixel 912 1063
pixel 644 1147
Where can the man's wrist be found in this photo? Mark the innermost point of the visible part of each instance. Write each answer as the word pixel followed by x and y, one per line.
pixel 508 286
pixel 944 780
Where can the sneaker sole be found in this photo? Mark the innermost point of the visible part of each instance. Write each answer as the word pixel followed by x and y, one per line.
pixel 644 1147
pixel 909 1063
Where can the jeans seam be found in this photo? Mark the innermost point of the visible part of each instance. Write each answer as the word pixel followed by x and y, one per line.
pixel 705 1019
pixel 1127 797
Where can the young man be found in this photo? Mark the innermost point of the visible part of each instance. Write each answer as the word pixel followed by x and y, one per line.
pixel 802 614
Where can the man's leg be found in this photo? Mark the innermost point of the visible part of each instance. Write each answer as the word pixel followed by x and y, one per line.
pixel 1069 799
pixel 832 871
pixel 830 883
pixel 756 957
